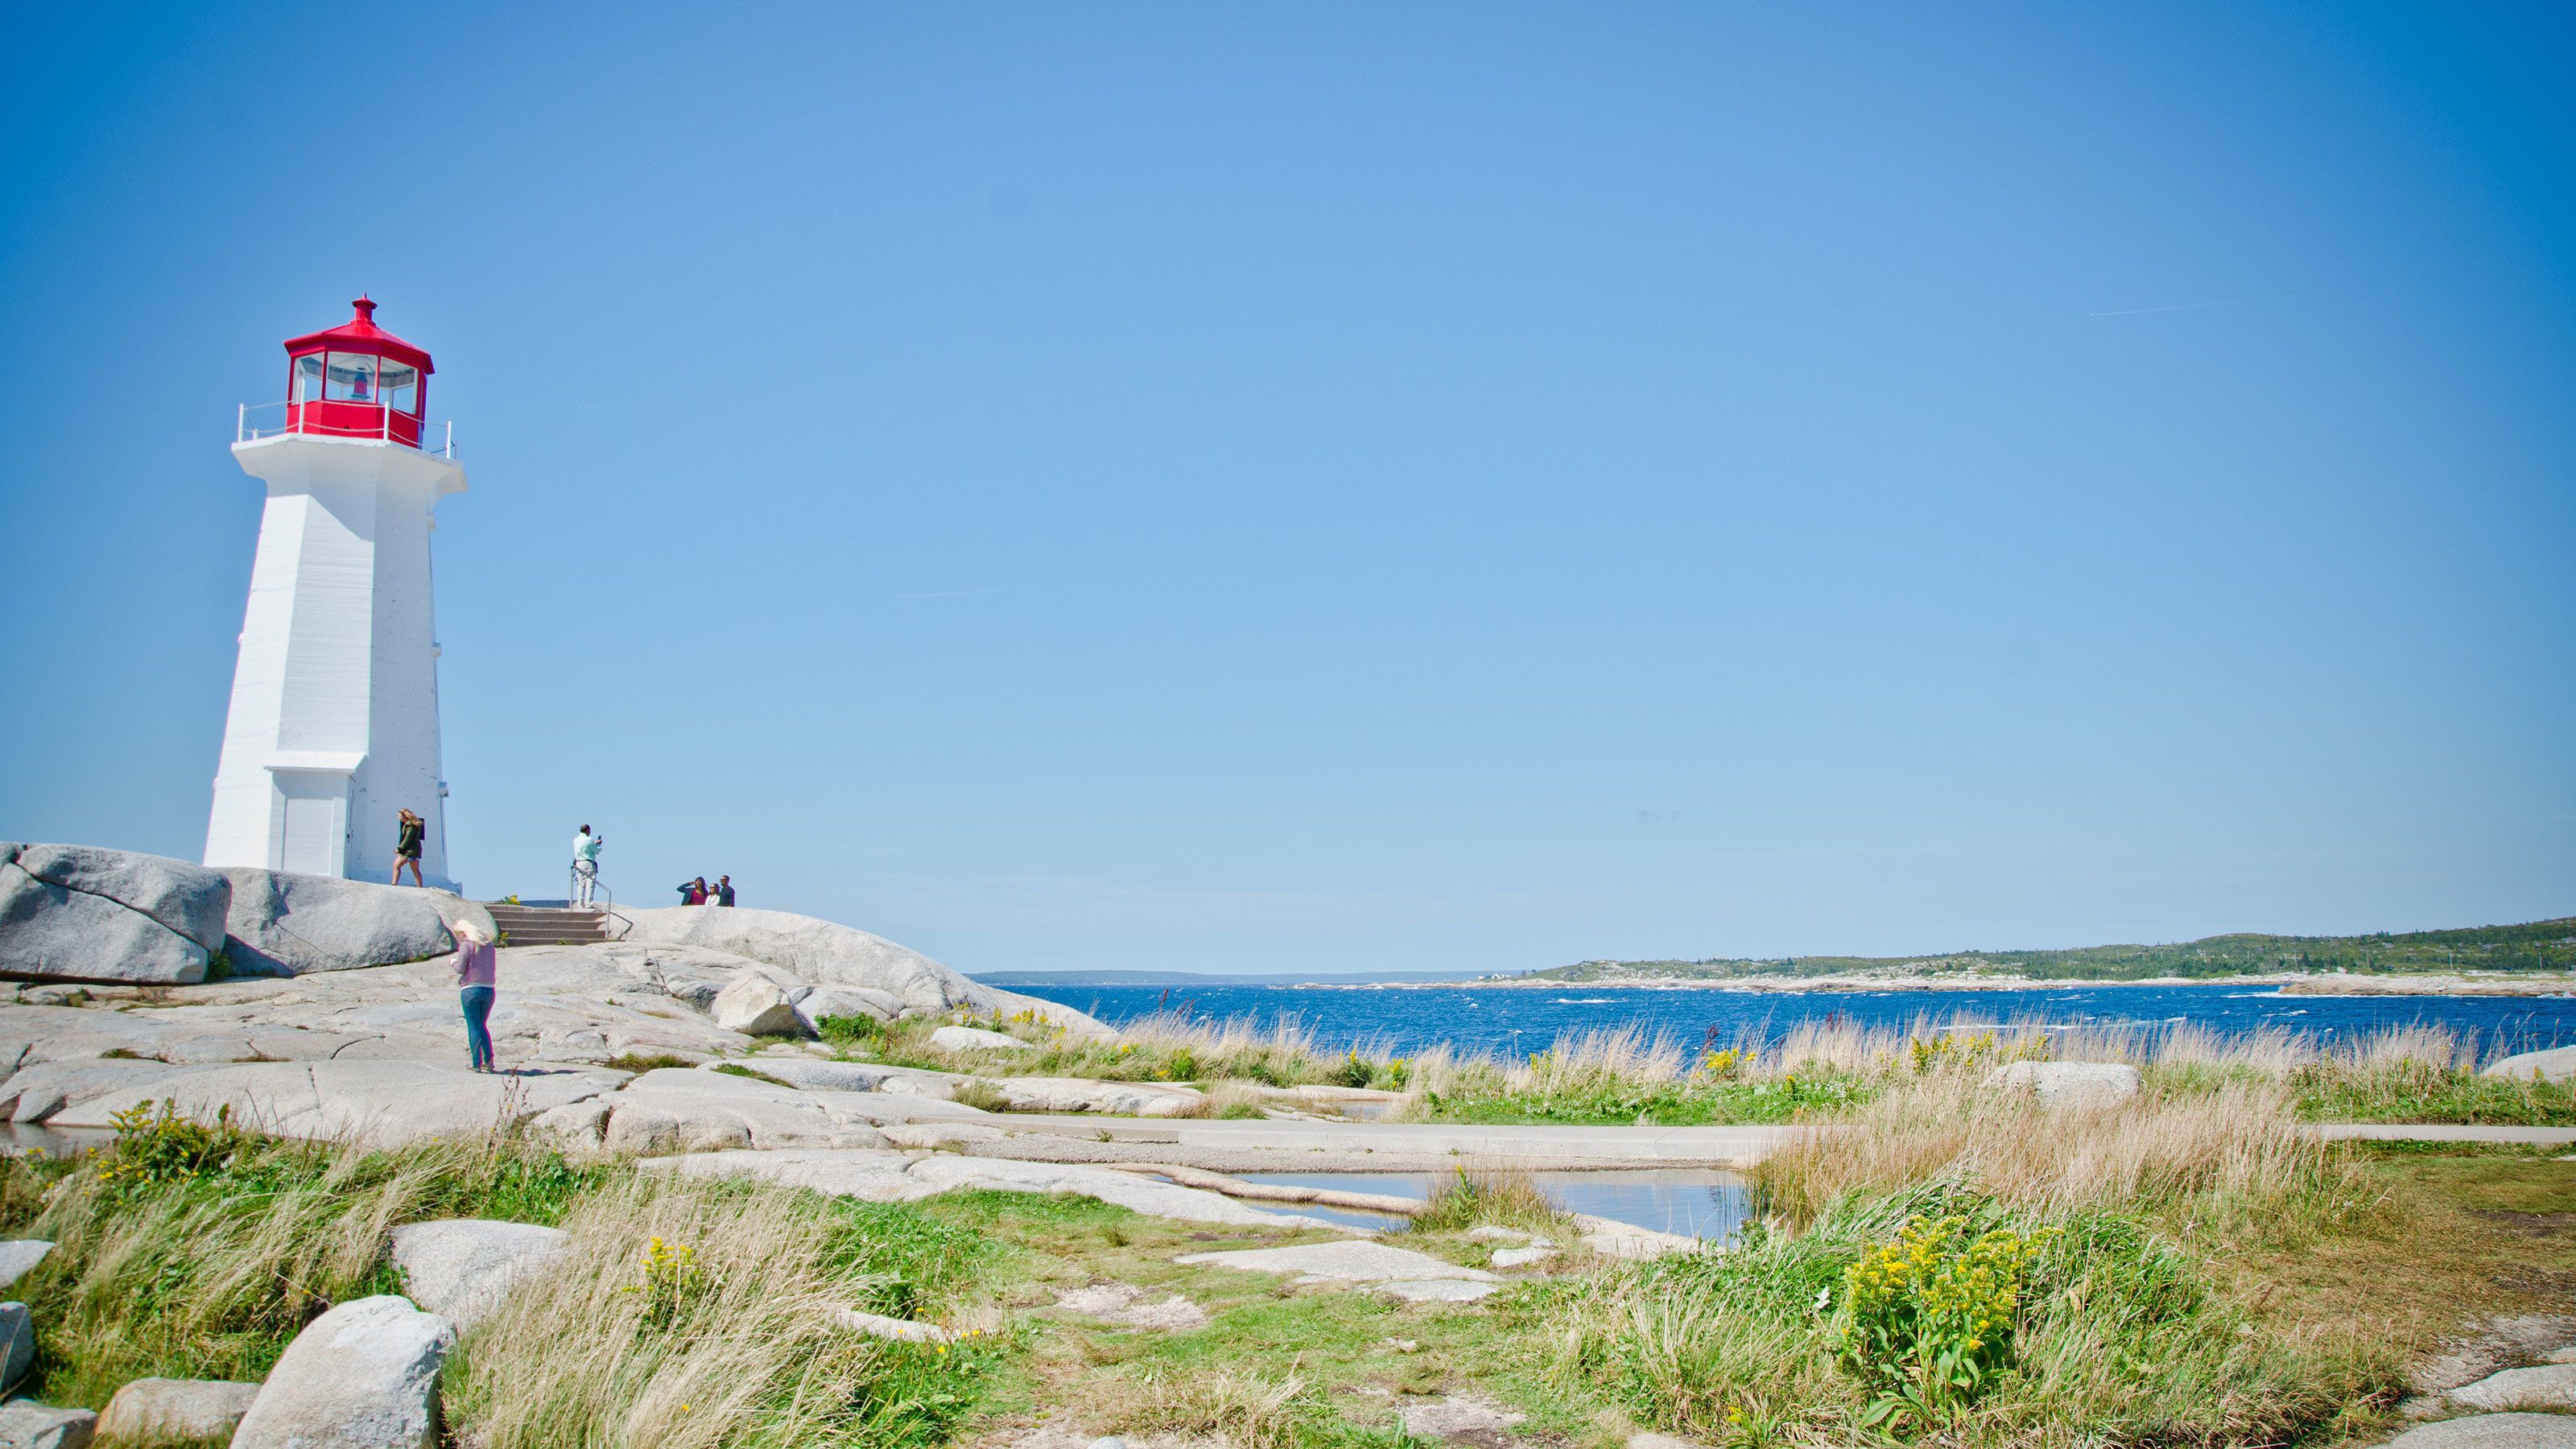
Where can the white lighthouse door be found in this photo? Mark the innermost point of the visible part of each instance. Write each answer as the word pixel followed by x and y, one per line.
pixel 315 837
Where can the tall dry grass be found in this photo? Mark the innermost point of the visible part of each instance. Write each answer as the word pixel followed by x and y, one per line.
pixel 747 1351
pixel 209 1279
pixel 2233 1157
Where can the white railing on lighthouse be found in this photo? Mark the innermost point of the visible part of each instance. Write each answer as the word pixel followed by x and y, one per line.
pixel 270 420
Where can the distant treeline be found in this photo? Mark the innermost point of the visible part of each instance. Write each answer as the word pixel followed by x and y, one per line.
pixel 2536 946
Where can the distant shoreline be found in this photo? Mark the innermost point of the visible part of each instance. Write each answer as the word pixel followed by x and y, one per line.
pixel 2291 983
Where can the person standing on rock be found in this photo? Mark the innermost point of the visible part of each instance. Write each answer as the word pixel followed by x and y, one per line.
pixel 476 965
pixel 724 890
pixel 693 892
pixel 407 839
pixel 585 866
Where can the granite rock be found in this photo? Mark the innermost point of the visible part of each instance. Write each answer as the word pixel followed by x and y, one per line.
pixel 362 1376
pixel 176 1409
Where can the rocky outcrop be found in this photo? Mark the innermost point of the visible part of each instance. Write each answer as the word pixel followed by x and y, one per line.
pixel 975 1039
pixel 147 1410
pixel 2557 1064
pixel 461 1268
pixel 377 1102
pixel 362 1376
pixel 814 1003
pixel 1081 1094
pixel 825 953
pixel 2493 1431
pixel 686 1110
pixel 2550 1386
pixel 2068 1084
pixel 284 924
pixel 80 913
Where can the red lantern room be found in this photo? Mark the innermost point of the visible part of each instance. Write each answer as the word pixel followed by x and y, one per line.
pixel 358 381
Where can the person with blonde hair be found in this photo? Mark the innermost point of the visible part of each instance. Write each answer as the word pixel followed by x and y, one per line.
pixel 476 965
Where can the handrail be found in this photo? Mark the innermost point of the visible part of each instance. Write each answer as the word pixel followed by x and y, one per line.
pixel 598 890
pixel 438 439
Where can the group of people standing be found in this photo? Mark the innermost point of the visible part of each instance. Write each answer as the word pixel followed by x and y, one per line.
pixel 696 892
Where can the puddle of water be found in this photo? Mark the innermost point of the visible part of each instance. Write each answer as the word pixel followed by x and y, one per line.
pixel 52 1141
pixel 1697 1203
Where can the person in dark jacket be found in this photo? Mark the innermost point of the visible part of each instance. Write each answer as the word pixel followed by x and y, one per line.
pixel 724 890
pixel 693 892
pixel 407 839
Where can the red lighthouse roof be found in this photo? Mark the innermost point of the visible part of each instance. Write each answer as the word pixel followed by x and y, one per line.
pixel 361 334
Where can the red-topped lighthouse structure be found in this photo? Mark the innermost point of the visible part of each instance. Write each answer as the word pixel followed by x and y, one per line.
pixel 357 381
pixel 333 729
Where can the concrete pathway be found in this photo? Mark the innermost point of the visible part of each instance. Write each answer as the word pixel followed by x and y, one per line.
pixel 2445 1132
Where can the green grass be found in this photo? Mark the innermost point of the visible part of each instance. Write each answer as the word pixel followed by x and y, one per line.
pixel 2121 1336
pixel 1688 1102
pixel 189 1252
pixel 2421 1092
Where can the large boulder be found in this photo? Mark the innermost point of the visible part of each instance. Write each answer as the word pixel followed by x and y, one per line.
pixel 75 913
pixel 2068 1084
pixel 825 953
pixel 285 924
pixel 26 1424
pixel 17 1344
pixel 362 1376
pixel 147 1410
pixel 19 1257
pixel 461 1268
pixel 2557 1064
pixel 756 1007
pixel 186 899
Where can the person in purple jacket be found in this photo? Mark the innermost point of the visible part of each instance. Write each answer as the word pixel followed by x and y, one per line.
pixel 475 965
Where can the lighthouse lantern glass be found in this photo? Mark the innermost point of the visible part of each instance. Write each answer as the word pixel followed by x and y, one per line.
pixel 350 377
pixel 308 378
pixel 398 386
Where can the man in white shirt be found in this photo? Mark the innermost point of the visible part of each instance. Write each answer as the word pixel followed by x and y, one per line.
pixel 585 866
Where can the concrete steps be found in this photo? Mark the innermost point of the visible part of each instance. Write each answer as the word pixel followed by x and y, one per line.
pixel 547 925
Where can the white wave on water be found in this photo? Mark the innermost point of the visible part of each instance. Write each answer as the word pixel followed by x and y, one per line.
pixel 2250 995
pixel 1579 1000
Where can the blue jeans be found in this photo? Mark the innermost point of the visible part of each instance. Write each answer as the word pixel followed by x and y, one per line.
pixel 478 1016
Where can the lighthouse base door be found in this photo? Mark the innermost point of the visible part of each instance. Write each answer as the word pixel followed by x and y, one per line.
pixel 312 822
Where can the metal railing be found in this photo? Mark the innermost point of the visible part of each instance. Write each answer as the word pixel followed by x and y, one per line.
pixel 602 898
pixel 374 423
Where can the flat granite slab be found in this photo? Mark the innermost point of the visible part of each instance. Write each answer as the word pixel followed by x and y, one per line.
pixel 878 1176
pixel 1357 1262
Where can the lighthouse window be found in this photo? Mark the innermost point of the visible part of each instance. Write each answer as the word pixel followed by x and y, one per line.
pixel 351 377
pixel 398 385
pixel 308 378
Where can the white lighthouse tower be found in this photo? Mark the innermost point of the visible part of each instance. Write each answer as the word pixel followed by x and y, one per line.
pixel 334 721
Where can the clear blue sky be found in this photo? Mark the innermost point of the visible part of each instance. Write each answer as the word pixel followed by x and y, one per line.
pixel 1346 486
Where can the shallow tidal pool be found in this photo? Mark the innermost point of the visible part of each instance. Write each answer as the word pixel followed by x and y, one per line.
pixel 1696 1202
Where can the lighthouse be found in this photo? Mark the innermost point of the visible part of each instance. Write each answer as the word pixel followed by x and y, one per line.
pixel 333 729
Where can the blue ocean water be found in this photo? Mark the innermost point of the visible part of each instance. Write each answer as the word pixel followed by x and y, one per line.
pixel 1526 1019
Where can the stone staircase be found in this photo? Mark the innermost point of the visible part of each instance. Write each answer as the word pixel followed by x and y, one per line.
pixel 547 925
